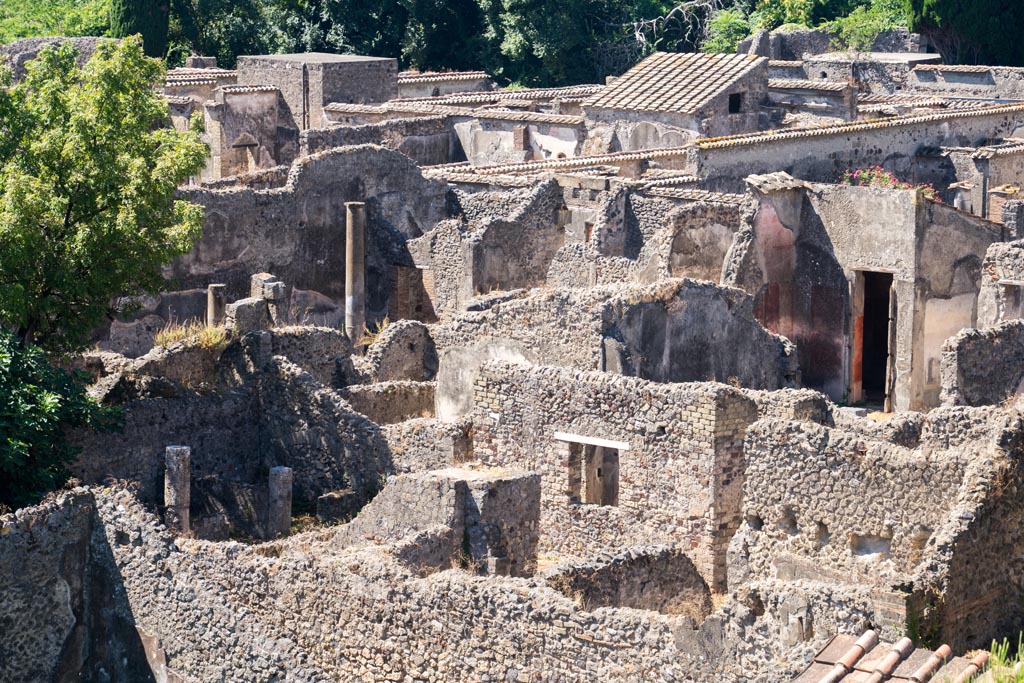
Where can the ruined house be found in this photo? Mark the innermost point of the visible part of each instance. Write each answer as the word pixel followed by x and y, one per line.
pixel 611 382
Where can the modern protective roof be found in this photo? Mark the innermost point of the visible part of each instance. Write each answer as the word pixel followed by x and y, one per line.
pixel 674 82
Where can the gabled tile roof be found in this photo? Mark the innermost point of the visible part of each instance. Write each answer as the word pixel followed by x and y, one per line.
pixel 804 84
pixel 674 82
pixel 440 76
pixel 849 659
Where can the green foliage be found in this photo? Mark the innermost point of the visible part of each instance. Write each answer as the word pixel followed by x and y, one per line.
pixel 29 18
pixel 770 14
pixel 40 403
pixel 148 18
pixel 725 30
pixel 859 29
pixel 88 174
pixel 1006 664
pixel 218 28
pixel 876 176
pixel 970 31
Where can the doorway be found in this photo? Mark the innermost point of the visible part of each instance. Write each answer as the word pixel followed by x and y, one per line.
pixel 877 307
pixel 601 475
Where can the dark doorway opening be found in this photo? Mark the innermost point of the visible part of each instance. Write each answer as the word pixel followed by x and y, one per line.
pixel 877 289
pixel 736 103
pixel 601 475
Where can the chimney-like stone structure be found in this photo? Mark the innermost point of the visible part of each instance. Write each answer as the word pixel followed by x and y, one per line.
pixel 279 515
pixel 215 305
pixel 355 270
pixel 177 492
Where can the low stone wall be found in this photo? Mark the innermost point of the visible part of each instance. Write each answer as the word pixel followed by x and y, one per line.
pixel 984 367
pixel 426 140
pixel 390 402
pixel 62 605
pixel 226 611
pixel 659 579
pixel 427 444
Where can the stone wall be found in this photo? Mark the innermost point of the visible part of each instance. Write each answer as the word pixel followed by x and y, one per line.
pixel 658 579
pixel 390 402
pixel 984 367
pixel 63 611
pixel 211 611
pixel 504 241
pixel 676 331
pixel 263 408
pixel 298 231
pixel 910 510
pixel 822 155
pixel 1002 284
pixel 424 139
pixel 659 238
pixel 679 450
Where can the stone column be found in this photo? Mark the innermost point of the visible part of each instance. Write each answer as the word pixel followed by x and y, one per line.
pixel 176 488
pixel 215 304
pixel 355 270
pixel 279 515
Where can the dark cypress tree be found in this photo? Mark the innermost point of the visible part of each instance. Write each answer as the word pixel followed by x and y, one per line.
pixel 146 17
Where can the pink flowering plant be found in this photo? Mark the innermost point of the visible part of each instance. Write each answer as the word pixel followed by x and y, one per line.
pixel 876 176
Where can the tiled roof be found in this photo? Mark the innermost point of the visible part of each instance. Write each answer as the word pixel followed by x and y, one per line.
pixel 695 195
pixel 854 127
pixel 772 182
pixel 191 81
pixel 866 660
pixel 184 73
pixel 346 108
pixel 674 83
pixel 804 84
pixel 429 108
pixel 239 89
pixel 573 92
pixel 177 99
pixel 1008 148
pixel 440 76
pixel 962 68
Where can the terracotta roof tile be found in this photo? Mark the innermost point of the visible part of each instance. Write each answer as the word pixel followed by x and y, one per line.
pixel 674 82
pixel 572 92
pixel 440 76
pixel 805 84
pixel 961 68
pixel 845 659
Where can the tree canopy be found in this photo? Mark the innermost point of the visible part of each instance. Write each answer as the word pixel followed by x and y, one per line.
pixel 40 403
pixel 88 175
pixel 970 31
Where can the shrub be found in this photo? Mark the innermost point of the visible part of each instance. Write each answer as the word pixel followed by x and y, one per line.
pixel 40 402
pixel 725 30
pixel 876 176
pixel 212 339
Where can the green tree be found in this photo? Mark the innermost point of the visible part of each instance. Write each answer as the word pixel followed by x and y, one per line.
pixel 217 28
pixel 40 403
pixel 148 18
pixel 861 27
pixel 29 18
pixel 725 30
pixel 970 31
pixel 88 175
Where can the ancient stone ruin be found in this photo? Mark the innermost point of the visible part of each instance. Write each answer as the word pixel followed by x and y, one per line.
pixel 611 382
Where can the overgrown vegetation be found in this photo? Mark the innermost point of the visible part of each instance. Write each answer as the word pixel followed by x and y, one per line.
pixel 526 42
pixel 88 175
pixel 1006 663
pixel 39 403
pixel 212 339
pixel 876 176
